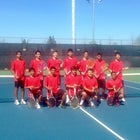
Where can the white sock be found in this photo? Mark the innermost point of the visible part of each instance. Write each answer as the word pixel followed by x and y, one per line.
pixel 81 102
pixel 67 99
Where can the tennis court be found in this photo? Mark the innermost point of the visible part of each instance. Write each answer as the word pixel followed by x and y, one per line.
pixel 104 122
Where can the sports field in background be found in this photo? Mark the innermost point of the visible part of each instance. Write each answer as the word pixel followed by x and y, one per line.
pixel 132 74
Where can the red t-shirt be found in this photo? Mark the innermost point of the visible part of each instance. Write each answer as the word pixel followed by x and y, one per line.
pixel 38 65
pixel 18 66
pixel 98 69
pixel 117 67
pixel 82 66
pixel 73 80
pixel 69 63
pixel 117 83
pixel 53 82
pixel 54 63
pixel 90 83
pixel 32 81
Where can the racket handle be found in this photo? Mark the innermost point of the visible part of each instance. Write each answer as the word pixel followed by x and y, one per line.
pixel 51 93
pixel 74 91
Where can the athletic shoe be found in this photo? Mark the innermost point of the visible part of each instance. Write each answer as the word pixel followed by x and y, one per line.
pixel 62 106
pixel 23 102
pixel 16 102
pixel 92 104
pixel 123 99
pixel 37 106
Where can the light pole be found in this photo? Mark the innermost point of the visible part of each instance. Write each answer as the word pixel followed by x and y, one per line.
pixel 93 19
pixel 73 23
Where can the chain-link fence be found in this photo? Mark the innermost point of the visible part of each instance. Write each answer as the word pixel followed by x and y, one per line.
pixel 130 52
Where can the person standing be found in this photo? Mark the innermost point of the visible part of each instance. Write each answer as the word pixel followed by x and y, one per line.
pixel 18 70
pixel 69 62
pixel 54 61
pixel 83 64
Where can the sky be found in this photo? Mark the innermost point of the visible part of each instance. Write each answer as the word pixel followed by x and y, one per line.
pixel 113 19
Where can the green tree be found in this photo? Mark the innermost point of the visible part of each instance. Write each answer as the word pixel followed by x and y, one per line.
pixel 51 40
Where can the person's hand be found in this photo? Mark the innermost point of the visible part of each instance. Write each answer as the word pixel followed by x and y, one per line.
pixel 16 76
pixel 49 88
pixel 93 89
pixel 31 87
pixel 126 68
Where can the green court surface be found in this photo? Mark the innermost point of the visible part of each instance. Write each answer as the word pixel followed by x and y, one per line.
pixel 23 123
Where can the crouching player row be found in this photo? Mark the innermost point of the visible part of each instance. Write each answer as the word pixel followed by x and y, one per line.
pixel 87 88
pixel 51 84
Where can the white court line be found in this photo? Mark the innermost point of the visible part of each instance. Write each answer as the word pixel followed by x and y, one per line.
pixel 132 87
pixel 132 81
pixel 102 124
pixel 6 76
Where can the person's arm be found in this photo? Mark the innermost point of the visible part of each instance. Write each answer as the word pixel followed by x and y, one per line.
pixel 46 86
pixel 125 68
pixel 89 90
pixel 13 71
pixel 70 86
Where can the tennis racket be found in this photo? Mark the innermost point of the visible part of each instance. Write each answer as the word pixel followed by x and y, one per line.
pixel 52 100
pixel 90 63
pixel 74 103
pixel 105 67
pixel 67 72
pixel 41 67
pixel 31 102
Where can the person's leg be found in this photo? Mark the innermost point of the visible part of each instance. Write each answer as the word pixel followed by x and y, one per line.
pixel 102 87
pixel 38 98
pixel 121 95
pixel 16 92
pixel 21 84
pixel 83 97
pixel 61 95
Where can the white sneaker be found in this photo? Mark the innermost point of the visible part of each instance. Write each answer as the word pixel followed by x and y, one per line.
pixel 123 99
pixel 16 102
pixel 92 104
pixel 23 102
pixel 37 106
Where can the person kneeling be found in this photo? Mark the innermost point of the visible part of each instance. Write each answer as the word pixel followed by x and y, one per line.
pixel 32 83
pixel 55 93
pixel 90 87
pixel 115 91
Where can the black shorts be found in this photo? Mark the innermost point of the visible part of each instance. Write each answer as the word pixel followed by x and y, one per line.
pixel 19 83
pixel 59 94
pixel 101 83
pixel 91 94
